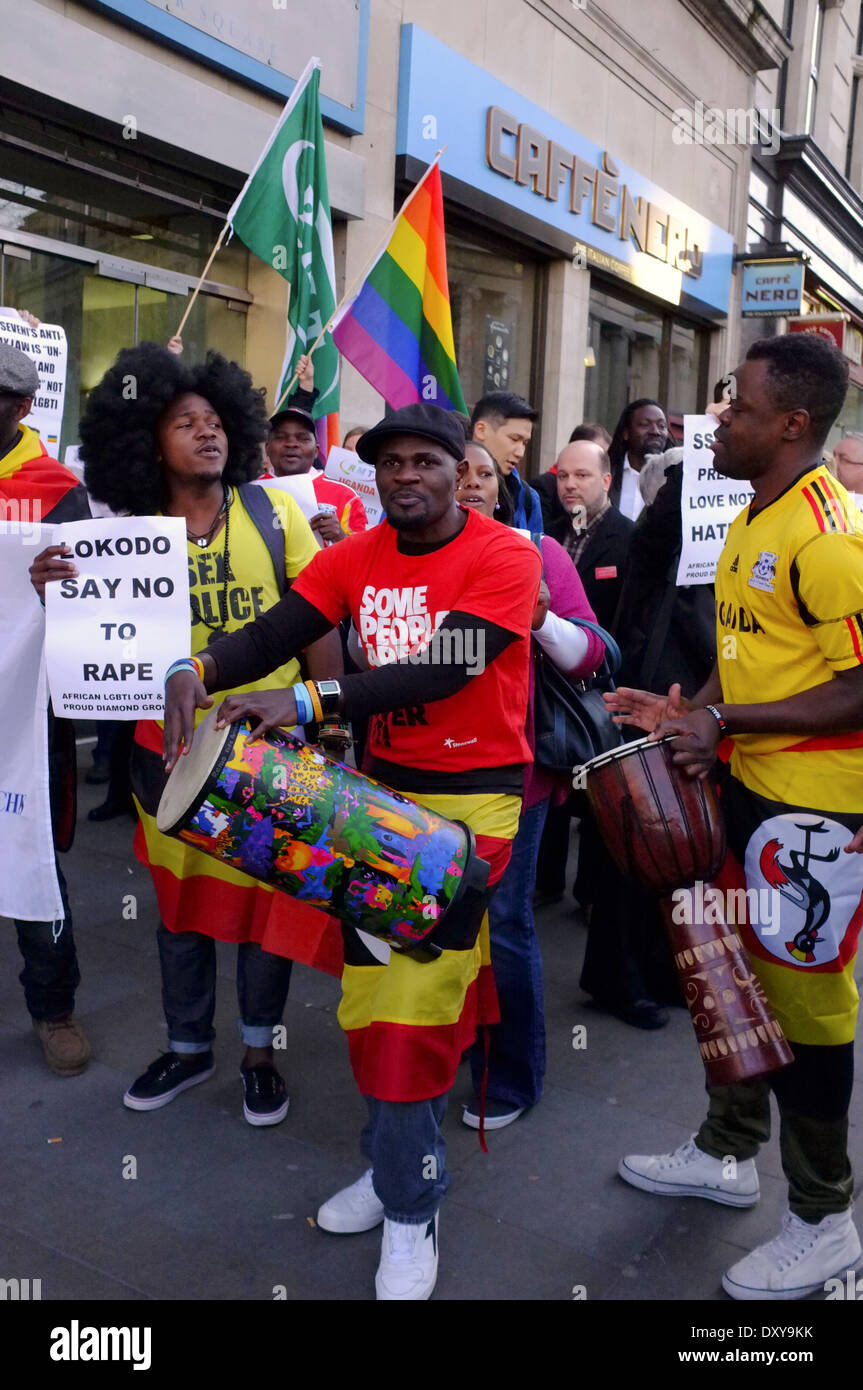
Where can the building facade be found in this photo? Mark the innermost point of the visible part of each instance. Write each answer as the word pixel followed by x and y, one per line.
pixel 805 206
pixel 594 227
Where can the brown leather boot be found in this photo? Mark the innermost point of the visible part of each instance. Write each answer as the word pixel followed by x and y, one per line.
pixel 64 1043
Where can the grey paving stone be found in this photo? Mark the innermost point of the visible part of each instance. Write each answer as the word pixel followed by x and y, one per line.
pixel 222 1211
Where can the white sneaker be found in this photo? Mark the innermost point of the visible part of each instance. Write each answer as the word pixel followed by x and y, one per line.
pixel 355 1208
pixel 408 1267
pixel 689 1172
pixel 798 1261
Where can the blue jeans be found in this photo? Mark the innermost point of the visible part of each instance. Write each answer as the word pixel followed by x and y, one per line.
pixel 516 1064
pixel 50 975
pixel 407 1151
pixel 188 961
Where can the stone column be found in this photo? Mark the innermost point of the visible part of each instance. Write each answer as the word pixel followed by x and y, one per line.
pixel 566 343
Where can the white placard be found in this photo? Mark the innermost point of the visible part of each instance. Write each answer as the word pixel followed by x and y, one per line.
pixel 28 873
pixel 47 346
pixel 113 631
pixel 709 502
pixel 344 466
pixel 300 486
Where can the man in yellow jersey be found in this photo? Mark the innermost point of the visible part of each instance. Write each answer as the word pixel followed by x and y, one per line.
pixel 787 691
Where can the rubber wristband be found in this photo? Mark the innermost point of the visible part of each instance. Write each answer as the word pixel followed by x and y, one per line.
pixel 305 713
pixel 184 664
pixel 199 667
pixel 316 701
pixel 718 717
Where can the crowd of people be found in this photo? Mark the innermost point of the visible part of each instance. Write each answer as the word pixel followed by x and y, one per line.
pixel 524 572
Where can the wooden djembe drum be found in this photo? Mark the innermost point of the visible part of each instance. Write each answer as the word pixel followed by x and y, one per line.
pixel 665 830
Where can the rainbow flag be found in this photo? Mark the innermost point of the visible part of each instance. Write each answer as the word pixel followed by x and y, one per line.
pixel 397 331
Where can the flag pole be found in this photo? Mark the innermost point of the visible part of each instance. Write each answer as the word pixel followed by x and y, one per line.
pixel 289 106
pixel 201 280
pixel 358 279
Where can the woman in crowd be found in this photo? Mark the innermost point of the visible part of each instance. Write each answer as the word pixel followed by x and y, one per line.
pixel 516 1056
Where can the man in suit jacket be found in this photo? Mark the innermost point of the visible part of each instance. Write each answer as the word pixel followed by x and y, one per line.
pixel 545 485
pixel 593 532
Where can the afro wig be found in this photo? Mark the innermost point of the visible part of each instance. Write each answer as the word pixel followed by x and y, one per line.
pixel 118 428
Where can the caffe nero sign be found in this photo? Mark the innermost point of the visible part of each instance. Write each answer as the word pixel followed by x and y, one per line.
pixel 520 152
pixel 550 182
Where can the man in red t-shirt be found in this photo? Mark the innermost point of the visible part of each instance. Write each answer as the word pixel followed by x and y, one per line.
pixel 443 600
pixel 292 448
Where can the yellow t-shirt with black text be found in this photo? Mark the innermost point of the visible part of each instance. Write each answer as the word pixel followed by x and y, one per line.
pixel 253 588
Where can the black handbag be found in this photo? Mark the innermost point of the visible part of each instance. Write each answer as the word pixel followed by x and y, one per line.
pixel 571 722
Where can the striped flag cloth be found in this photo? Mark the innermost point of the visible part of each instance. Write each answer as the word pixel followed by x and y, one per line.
pixel 397 331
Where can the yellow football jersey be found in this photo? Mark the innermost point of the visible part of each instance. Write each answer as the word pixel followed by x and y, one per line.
pixel 789 615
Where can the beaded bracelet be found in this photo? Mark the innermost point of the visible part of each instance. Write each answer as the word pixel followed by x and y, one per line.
pixel 305 713
pixel 316 701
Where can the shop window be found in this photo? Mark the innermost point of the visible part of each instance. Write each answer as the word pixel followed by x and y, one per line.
pixel 101 315
pixel 635 350
pixel 626 343
pixel 493 295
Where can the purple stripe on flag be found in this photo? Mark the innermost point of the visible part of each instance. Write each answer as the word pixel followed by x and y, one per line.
pixel 378 368
pixel 393 342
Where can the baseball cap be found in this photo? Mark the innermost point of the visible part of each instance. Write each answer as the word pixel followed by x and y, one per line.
pixel 18 374
pixel 294 413
pixel 428 421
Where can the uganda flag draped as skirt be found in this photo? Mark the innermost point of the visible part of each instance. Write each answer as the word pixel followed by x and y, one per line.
pixel 407 1022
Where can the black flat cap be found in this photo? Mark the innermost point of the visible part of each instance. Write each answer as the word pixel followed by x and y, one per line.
pixel 428 421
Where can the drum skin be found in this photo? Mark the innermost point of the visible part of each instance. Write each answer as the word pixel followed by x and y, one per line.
pixel 282 812
pixel 665 829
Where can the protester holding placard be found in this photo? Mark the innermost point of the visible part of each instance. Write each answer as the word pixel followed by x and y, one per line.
pixel 161 437
pixel 35 488
pixel 292 450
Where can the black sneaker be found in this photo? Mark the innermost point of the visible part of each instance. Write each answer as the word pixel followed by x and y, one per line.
pixel 165 1078
pixel 265 1100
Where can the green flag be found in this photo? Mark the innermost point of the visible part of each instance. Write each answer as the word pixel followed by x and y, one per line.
pixel 283 216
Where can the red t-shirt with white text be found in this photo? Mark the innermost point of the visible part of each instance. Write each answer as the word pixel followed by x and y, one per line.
pixel 398 601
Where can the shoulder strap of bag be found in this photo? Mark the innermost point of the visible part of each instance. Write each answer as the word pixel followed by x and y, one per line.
pixel 268 524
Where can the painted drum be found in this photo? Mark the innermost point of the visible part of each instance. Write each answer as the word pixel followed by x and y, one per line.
pixel 666 830
pixel 284 813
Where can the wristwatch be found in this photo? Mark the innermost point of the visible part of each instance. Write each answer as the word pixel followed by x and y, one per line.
pixel 330 696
